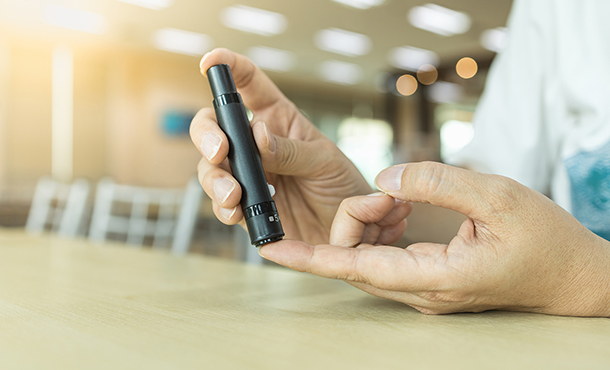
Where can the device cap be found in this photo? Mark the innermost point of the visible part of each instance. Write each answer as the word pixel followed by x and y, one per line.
pixel 221 80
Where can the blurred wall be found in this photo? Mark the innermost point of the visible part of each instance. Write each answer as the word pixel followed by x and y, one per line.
pixel 27 112
pixel 120 97
pixel 4 88
pixel 141 88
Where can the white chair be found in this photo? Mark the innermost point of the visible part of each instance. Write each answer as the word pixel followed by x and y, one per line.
pixel 187 218
pixel 59 207
pixel 174 221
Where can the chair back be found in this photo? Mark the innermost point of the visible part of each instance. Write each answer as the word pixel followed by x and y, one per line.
pixel 167 216
pixel 58 207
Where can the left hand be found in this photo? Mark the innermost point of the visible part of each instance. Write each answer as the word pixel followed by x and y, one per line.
pixel 516 251
pixel 310 174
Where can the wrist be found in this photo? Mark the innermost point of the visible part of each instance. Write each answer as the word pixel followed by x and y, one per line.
pixel 588 293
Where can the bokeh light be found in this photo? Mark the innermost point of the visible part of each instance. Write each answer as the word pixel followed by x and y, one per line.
pixel 466 68
pixel 406 85
pixel 455 135
pixel 427 74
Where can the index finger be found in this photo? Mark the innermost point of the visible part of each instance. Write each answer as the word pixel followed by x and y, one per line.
pixel 257 90
pixel 356 213
pixel 208 137
pixel 383 267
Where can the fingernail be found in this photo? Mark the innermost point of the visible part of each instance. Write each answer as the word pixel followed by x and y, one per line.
pixel 390 179
pixel 203 60
pixel 210 145
pixel 377 194
pixel 271 144
pixel 227 213
pixel 271 189
pixel 223 188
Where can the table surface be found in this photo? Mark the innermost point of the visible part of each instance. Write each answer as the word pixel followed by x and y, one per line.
pixel 67 304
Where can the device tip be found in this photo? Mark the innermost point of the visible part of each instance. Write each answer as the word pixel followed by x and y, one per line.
pixel 221 80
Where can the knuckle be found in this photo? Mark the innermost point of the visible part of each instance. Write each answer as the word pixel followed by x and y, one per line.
pixel 433 296
pixel 437 310
pixel 289 155
pixel 201 169
pixel 201 122
pixel 428 311
pixel 443 297
pixel 353 272
pixel 429 181
pixel 351 268
pixel 201 116
pixel 505 195
pixel 345 205
pixel 319 152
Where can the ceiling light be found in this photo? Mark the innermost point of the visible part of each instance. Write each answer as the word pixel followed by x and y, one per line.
pixel 343 42
pixel 466 68
pixel 183 42
pixel 440 20
pixel 406 85
pixel 341 72
pixel 495 39
pixel 75 19
pixel 411 58
pixel 454 136
pixel 151 4
pixel 427 74
pixel 272 59
pixel 361 4
pixel 248 19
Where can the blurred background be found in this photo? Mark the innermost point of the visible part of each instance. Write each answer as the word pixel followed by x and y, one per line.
pixel 105 90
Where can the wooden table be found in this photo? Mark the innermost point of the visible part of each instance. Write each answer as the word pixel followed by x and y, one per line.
pixel 73 305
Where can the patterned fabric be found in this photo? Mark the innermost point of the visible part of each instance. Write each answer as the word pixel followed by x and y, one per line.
pixel 589 174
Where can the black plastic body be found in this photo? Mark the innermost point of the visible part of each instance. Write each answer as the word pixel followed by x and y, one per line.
pixel 259 209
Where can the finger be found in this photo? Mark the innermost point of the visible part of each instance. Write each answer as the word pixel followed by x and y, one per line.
pixel 219 184
pixel 407 298
pixel 228 216
pixel 390 234
pixel 415 301
pixel 394 224
pixel 400 211
pixel 352 223
pixel 208 137
pixel 428 251
pixel 380 266
pixel 377 235
pixel 473 194
pixel 292 157
pixel 257 90
pixel 354 214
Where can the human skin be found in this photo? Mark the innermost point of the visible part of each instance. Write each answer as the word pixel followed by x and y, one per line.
pixel 310 174
pixel 517 250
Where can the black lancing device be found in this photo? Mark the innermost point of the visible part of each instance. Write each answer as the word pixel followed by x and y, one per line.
pixel 259 208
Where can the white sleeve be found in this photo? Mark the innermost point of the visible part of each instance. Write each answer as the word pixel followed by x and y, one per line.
pixel 509 136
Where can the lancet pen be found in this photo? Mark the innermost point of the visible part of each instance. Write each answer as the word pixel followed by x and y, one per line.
pixel 259 209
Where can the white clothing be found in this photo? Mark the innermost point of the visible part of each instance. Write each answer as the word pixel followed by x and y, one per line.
pixel 544 118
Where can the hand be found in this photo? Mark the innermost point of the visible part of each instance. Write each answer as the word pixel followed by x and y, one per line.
pixel 310 174
pixel 516 251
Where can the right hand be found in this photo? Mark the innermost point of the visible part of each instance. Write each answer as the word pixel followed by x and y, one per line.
pixel 516 251
pixel 310 174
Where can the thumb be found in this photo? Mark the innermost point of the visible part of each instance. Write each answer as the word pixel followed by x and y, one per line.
pixel 290 157
pixel 257 90
pixel 473 194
